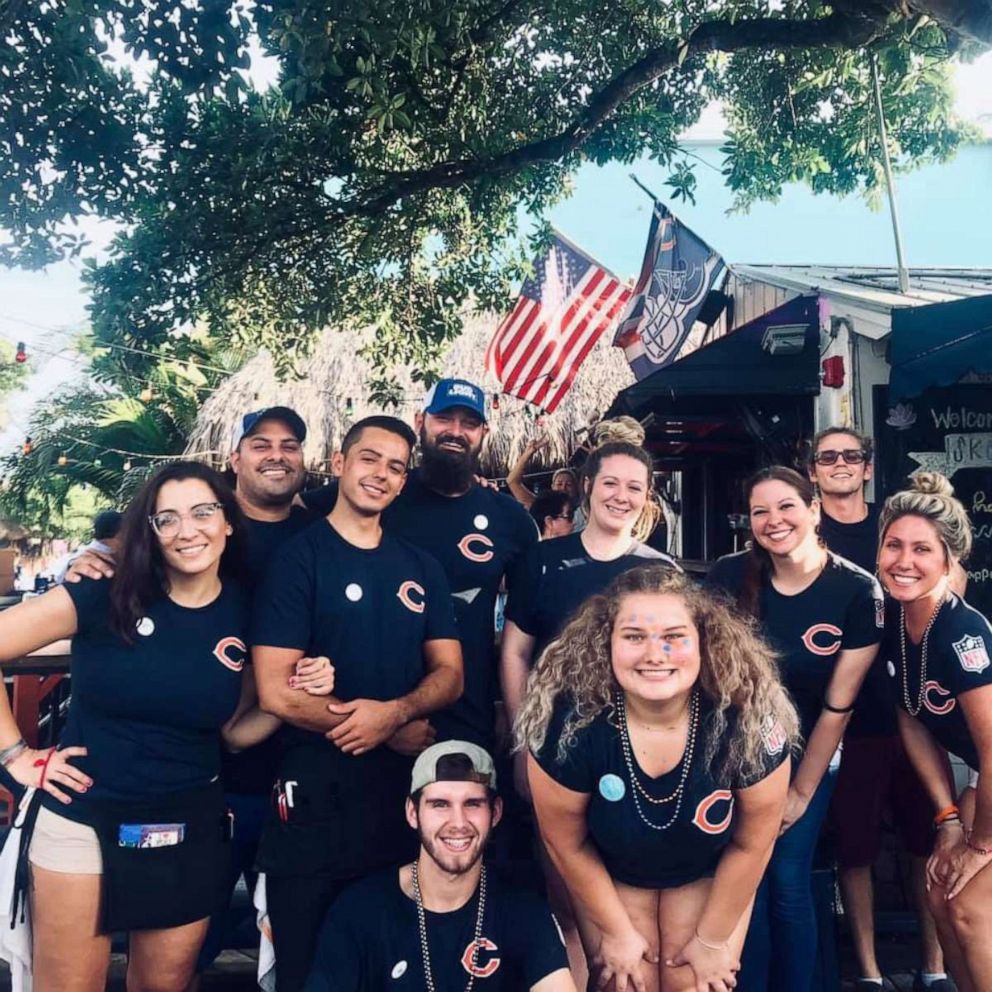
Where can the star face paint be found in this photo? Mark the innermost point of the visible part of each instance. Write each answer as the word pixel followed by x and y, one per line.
pixel 655 647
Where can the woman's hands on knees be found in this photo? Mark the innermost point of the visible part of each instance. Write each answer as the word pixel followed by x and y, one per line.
pixel 714 968
pixel 621 958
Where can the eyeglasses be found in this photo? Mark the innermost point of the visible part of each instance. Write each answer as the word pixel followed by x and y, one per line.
pixel 851 456
pixel 168 523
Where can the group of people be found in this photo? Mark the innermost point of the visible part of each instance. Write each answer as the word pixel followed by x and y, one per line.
pixel 307 685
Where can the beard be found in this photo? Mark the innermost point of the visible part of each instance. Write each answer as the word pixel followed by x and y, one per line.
pixel 449 861
pixel 449 472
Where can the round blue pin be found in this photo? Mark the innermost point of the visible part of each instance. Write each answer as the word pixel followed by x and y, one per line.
pixel 612 788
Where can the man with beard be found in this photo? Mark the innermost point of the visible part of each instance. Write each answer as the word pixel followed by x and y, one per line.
pixel 380 608
pixel 476 533
pixel 443 923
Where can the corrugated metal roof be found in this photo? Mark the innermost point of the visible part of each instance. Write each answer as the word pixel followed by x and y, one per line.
pixel 875 288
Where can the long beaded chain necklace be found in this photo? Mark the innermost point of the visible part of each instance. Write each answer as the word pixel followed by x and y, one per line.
pixel 638 790
pixel 923 657
pixel 425 951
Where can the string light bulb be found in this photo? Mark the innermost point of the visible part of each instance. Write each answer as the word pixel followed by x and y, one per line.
pixel 127 465
pixel 22 353
pixel 63 460
pixel 146 395
pixel 97 463
pixel 495 401
pixel 349 406
pixel 27 446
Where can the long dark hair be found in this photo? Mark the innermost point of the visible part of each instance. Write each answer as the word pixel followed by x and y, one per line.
pixel 759 563
pixel 140 576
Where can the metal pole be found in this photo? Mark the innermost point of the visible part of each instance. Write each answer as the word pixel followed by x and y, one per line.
pixel 890 186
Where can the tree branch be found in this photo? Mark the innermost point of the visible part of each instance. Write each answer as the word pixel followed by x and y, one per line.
pixel 838 30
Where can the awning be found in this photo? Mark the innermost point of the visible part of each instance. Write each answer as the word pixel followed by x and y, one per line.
pixel 737 365
pixel 938 344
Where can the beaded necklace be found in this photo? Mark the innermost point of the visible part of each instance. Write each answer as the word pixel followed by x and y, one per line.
pixel 637 790
pixel 923 657
pixel 425 951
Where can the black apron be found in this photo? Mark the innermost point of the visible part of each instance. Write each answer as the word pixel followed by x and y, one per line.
pixel 157 887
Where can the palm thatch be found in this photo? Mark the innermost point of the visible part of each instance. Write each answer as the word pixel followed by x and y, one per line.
pixel 334 391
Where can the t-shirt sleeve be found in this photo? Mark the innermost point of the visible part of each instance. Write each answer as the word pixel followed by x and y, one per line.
pixel 774 752
pixel 967 661
pixel 283 609
pixel 544 952
pixel 865 619
pixel 441 623
pixel 91 598
pixel 321 499
pixel 524 592
pixel 337 964
pixel 575 770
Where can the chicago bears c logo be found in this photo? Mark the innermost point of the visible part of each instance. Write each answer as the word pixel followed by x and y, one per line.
pixel 822 648
pixel 939 709
pixel 411 595
pixel 702 817
pixel 231 653
pixel 465 547
pixel 480 971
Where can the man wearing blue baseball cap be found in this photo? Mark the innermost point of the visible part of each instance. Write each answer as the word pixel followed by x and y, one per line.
pixel 476 533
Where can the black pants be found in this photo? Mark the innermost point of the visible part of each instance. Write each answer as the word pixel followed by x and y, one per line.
pixel 297 906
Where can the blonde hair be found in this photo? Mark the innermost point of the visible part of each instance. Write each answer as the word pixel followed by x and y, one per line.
pixel 931 496
pixel 621 428
pixel 737 669
pixel 650 513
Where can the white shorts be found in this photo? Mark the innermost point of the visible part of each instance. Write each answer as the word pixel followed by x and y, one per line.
pixel 60 844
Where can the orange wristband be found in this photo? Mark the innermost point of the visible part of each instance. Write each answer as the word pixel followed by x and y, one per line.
pixel 947 813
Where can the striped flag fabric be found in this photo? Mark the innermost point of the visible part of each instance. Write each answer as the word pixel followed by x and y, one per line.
pixel 562 312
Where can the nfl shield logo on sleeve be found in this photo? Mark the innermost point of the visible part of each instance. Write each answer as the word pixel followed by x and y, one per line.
pixel 972 654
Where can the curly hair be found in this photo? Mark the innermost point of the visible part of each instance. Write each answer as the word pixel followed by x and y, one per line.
pixel 931 496
pixel 737 669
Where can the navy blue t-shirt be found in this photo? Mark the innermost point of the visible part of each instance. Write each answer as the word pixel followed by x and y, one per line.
pixel 370 941
pixel 556 577
pixel 149 713
pixel 252 771
pixel 477 538
pixel 841 609
pixel 632 851
pixel 370 611
pixel 874 714
pixel 959 650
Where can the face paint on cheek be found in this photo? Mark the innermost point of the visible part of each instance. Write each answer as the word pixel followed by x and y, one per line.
pixel 667 648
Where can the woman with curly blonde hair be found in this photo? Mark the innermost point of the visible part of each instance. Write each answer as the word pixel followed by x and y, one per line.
pixel 659 742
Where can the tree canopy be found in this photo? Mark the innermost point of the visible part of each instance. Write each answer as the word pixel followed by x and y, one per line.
pixel 383 180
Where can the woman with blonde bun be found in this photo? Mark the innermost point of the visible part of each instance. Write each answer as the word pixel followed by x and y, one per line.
pixel 937 655
pixel 658 738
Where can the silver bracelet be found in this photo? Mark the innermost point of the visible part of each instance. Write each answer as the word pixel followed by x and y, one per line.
pixel 712 947
pixel 8 754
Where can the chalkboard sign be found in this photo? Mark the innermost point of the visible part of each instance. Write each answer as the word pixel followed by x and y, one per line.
pixel 947 430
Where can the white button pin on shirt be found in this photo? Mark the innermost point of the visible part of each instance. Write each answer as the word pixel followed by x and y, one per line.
pixel 353 591
pixel 891 669
pixel 481 521
pixel 145 626
pixel 399 969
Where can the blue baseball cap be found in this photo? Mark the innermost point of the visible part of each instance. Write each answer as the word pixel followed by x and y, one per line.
pixel 448 393
pixel 250 421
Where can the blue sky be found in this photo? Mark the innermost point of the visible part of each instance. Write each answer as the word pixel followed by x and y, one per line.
pixel 946 215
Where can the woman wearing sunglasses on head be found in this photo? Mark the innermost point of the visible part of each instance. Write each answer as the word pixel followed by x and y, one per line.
pixel 823 616
pixel 937 655
pixel 130 831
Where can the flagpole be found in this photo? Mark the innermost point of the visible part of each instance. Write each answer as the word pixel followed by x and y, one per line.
pixel 643 187
pixel 890 186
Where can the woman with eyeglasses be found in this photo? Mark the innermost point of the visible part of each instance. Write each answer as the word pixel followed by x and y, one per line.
pixel 823 616
pixel 130 831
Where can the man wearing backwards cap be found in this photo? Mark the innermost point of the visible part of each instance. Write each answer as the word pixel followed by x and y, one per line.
pixel 443 923
pixel 476 533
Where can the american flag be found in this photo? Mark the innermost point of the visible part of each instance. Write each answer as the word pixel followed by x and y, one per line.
pixel 561 313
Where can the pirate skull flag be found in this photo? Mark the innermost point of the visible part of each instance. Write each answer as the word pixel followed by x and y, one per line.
pixel 677 274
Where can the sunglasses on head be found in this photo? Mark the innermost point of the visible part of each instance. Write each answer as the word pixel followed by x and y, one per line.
pixel 852 456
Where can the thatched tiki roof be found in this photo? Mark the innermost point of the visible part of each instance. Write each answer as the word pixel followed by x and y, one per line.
pixel 334 392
